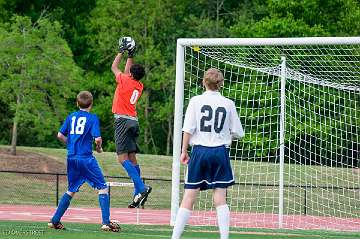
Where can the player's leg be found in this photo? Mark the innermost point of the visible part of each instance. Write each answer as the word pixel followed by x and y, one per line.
pixel 222 211
pixel 91 171
pixel 104 202
pixel 126 132
pixel 223 178
pixel 122 139
pixel 60 210
pixel 131 171
pixel 132 135
pixel 194 182
pixel 74 183
pixel 184 212
pixel 132 158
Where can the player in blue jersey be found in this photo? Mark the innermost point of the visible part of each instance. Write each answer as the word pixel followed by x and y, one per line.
pixel 78 132
pixel 210 123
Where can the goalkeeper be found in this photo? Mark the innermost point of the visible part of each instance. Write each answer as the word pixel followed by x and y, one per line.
pixel 127 93
pixel 210 123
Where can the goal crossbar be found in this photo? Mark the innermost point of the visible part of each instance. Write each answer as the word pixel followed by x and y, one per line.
pixel 268 41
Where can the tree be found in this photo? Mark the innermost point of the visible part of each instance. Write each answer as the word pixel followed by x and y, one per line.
pixel 297 18
pixel 37 74
pixel 148 23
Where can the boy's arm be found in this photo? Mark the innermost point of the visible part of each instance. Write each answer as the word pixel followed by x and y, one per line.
pixel 184 158
pixel 188 128
pixel 236 128
pixel 95 133
pixel 129 63
pixel 62 137
pixel 115 65
pixel 98 142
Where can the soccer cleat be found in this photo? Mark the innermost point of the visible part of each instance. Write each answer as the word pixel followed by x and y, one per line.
pixel 140 198
pixel 57 226
pixel 132 204
pixel 142 203
pixel 111 227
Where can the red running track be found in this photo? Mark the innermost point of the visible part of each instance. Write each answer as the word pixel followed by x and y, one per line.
pixel 149 216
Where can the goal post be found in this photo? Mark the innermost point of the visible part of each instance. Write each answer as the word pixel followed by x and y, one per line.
pixel 299 101
pixel 178 118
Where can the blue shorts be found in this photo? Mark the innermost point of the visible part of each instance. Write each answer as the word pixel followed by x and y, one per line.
pixel 209 168
pixel 84 169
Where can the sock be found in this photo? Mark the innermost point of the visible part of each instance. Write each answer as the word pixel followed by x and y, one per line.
pixel 105 209
pixel 182 218
pixel 137 167
pixel 223 217
pixel 63 205
pixel 133 174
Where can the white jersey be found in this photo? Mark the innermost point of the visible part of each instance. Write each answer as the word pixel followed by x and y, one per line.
pixel 212 120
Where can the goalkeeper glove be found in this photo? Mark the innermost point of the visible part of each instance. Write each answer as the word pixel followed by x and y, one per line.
pixel 131 52
pixel 123 45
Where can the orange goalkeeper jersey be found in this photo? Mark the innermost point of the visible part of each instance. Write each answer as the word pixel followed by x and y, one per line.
pixel 127 93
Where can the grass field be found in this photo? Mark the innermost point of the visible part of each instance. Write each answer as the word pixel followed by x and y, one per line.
pixel 32 230
pixel 40 190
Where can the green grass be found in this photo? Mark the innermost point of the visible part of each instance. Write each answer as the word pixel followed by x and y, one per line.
pixel 39 230
pixel 244 198
pixel 40 190
pixel 152 165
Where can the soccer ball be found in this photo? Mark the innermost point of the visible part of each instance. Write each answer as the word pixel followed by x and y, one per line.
pixel 127 41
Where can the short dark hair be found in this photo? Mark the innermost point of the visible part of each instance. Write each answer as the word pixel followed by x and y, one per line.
pixel 137 71
pixel 84 99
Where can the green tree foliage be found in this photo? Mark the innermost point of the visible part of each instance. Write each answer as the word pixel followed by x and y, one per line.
pixel 294 18
pixel 92 28
pixel 37 70
pixel 143 21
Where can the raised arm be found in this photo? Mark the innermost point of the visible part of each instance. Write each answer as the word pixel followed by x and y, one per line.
pixel 115 65
pixel 129 63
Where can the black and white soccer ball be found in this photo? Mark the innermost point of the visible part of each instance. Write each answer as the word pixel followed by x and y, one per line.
pixel 128 42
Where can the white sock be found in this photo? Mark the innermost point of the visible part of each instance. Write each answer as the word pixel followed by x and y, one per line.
pixel 223 217
pixel 181 219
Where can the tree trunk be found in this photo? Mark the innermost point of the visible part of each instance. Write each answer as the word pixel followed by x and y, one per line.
pixel 169 136
pixel 14 137
pixel 14 130
pixel 218 8
pixel 154 150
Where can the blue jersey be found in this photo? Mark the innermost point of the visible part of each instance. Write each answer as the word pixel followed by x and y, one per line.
pixel 81 128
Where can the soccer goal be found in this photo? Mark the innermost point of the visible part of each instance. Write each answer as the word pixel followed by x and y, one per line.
pixel 299 102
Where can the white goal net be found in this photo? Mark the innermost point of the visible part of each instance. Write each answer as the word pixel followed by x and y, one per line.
pixel 299 102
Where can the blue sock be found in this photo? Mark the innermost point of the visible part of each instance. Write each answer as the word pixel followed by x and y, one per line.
pixel 63 205
pixel 133 174
pixel 137 167
pixel 105 208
